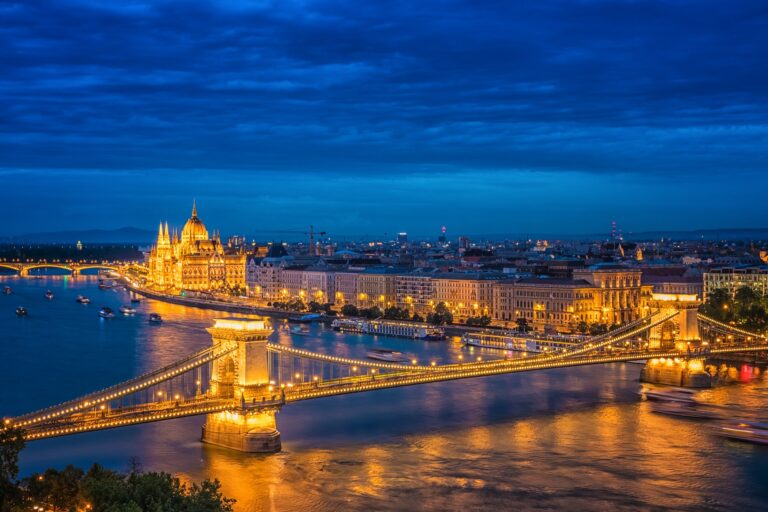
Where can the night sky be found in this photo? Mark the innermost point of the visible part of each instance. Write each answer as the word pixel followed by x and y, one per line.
pixel 372 117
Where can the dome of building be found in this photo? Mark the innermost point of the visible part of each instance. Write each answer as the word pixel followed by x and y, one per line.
pixel 194 229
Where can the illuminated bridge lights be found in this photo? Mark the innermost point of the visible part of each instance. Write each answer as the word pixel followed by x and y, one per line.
pixel 136 384
pixel 379 376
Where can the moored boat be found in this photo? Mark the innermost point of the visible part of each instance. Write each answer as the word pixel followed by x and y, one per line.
pixel 106 312
pixel 127 310
pixel 391 356
pixel 347 324
pixel 21 311
pixel 434 335
pixel 82 299
pixel 154 318
pixel 305 319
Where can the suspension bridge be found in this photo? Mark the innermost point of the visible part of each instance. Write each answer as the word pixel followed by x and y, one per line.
pixel 242 380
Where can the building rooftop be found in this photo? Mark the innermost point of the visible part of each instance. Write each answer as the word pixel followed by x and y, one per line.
pixel 554 282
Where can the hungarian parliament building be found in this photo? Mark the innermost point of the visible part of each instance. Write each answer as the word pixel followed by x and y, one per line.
pixel 194 261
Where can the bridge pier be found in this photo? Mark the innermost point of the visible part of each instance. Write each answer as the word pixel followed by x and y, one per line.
pixel 242 376
pixel 252 432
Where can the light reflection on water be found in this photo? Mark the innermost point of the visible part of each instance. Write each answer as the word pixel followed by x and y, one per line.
pixel 575 439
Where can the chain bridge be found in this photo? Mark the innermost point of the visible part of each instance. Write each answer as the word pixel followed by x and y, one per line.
pixel 242 380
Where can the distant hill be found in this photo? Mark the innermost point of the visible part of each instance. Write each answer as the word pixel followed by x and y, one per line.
pixel 705 234
pixel 127 235
pixel 694 234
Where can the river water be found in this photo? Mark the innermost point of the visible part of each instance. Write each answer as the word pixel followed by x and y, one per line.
pixel 569 439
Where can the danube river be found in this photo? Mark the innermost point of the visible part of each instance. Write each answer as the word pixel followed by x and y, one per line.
pixel 570 439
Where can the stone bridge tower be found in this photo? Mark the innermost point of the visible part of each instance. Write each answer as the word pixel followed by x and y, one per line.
pixel 241 375
pixel 679 332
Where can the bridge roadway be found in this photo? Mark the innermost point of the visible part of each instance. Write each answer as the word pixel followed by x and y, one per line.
pixel 124 388
pixel 728 329
pixel 74 267
pixel 171 409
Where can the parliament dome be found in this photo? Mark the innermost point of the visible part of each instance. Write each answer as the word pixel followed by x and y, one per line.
pixel 194 229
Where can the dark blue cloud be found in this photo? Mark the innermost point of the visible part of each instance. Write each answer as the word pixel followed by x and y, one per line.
pixel 336 90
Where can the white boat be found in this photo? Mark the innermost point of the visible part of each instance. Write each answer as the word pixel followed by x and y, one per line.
pixel 48 294
pixel 301 331
pixel 106 312
pixel 748 431
pixel 127 310
pixel 82 299
pixel 689 410
pixel 390 356
pixel 671 394
pixel 154 318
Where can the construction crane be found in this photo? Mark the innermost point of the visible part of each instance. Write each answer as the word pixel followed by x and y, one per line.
pixel 311 233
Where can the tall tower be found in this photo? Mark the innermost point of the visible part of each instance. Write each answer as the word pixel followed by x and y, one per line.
pixel 242 374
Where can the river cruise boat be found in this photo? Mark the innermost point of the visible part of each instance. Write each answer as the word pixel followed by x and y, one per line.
pixel 127 310
pixel 347 325
pixel 389 328
pixel 300 330
pixel 21 311
pixel 748 431
pixel 82 299
pixel 391 356
pixel 48 294
pixel 106 312
pixel 517 343
pixel 7 290
pixel 154 318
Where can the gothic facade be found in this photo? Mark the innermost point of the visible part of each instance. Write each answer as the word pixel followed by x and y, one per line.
pixel 194 261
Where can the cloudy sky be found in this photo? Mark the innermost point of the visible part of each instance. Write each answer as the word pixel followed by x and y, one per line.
pixel 366 117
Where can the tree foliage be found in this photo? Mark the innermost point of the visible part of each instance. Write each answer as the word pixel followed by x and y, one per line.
pixel 99 489
pixel 479 321
pixel 350 310
pixel 441 316
pixel 396 313
pixel 747 308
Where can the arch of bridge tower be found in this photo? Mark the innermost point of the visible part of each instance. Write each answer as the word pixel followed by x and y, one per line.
pixel 680 331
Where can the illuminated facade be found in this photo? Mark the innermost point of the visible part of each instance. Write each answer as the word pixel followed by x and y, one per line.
pixel 465 295
pixel 547 304
pixel 601 294
pixel 732 279
pixel 193 261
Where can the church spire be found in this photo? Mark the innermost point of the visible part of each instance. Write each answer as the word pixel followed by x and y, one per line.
pixel 160 233
pixel 194 208
pixel 166 236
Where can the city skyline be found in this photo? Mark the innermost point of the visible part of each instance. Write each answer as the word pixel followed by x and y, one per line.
pixel 547 118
